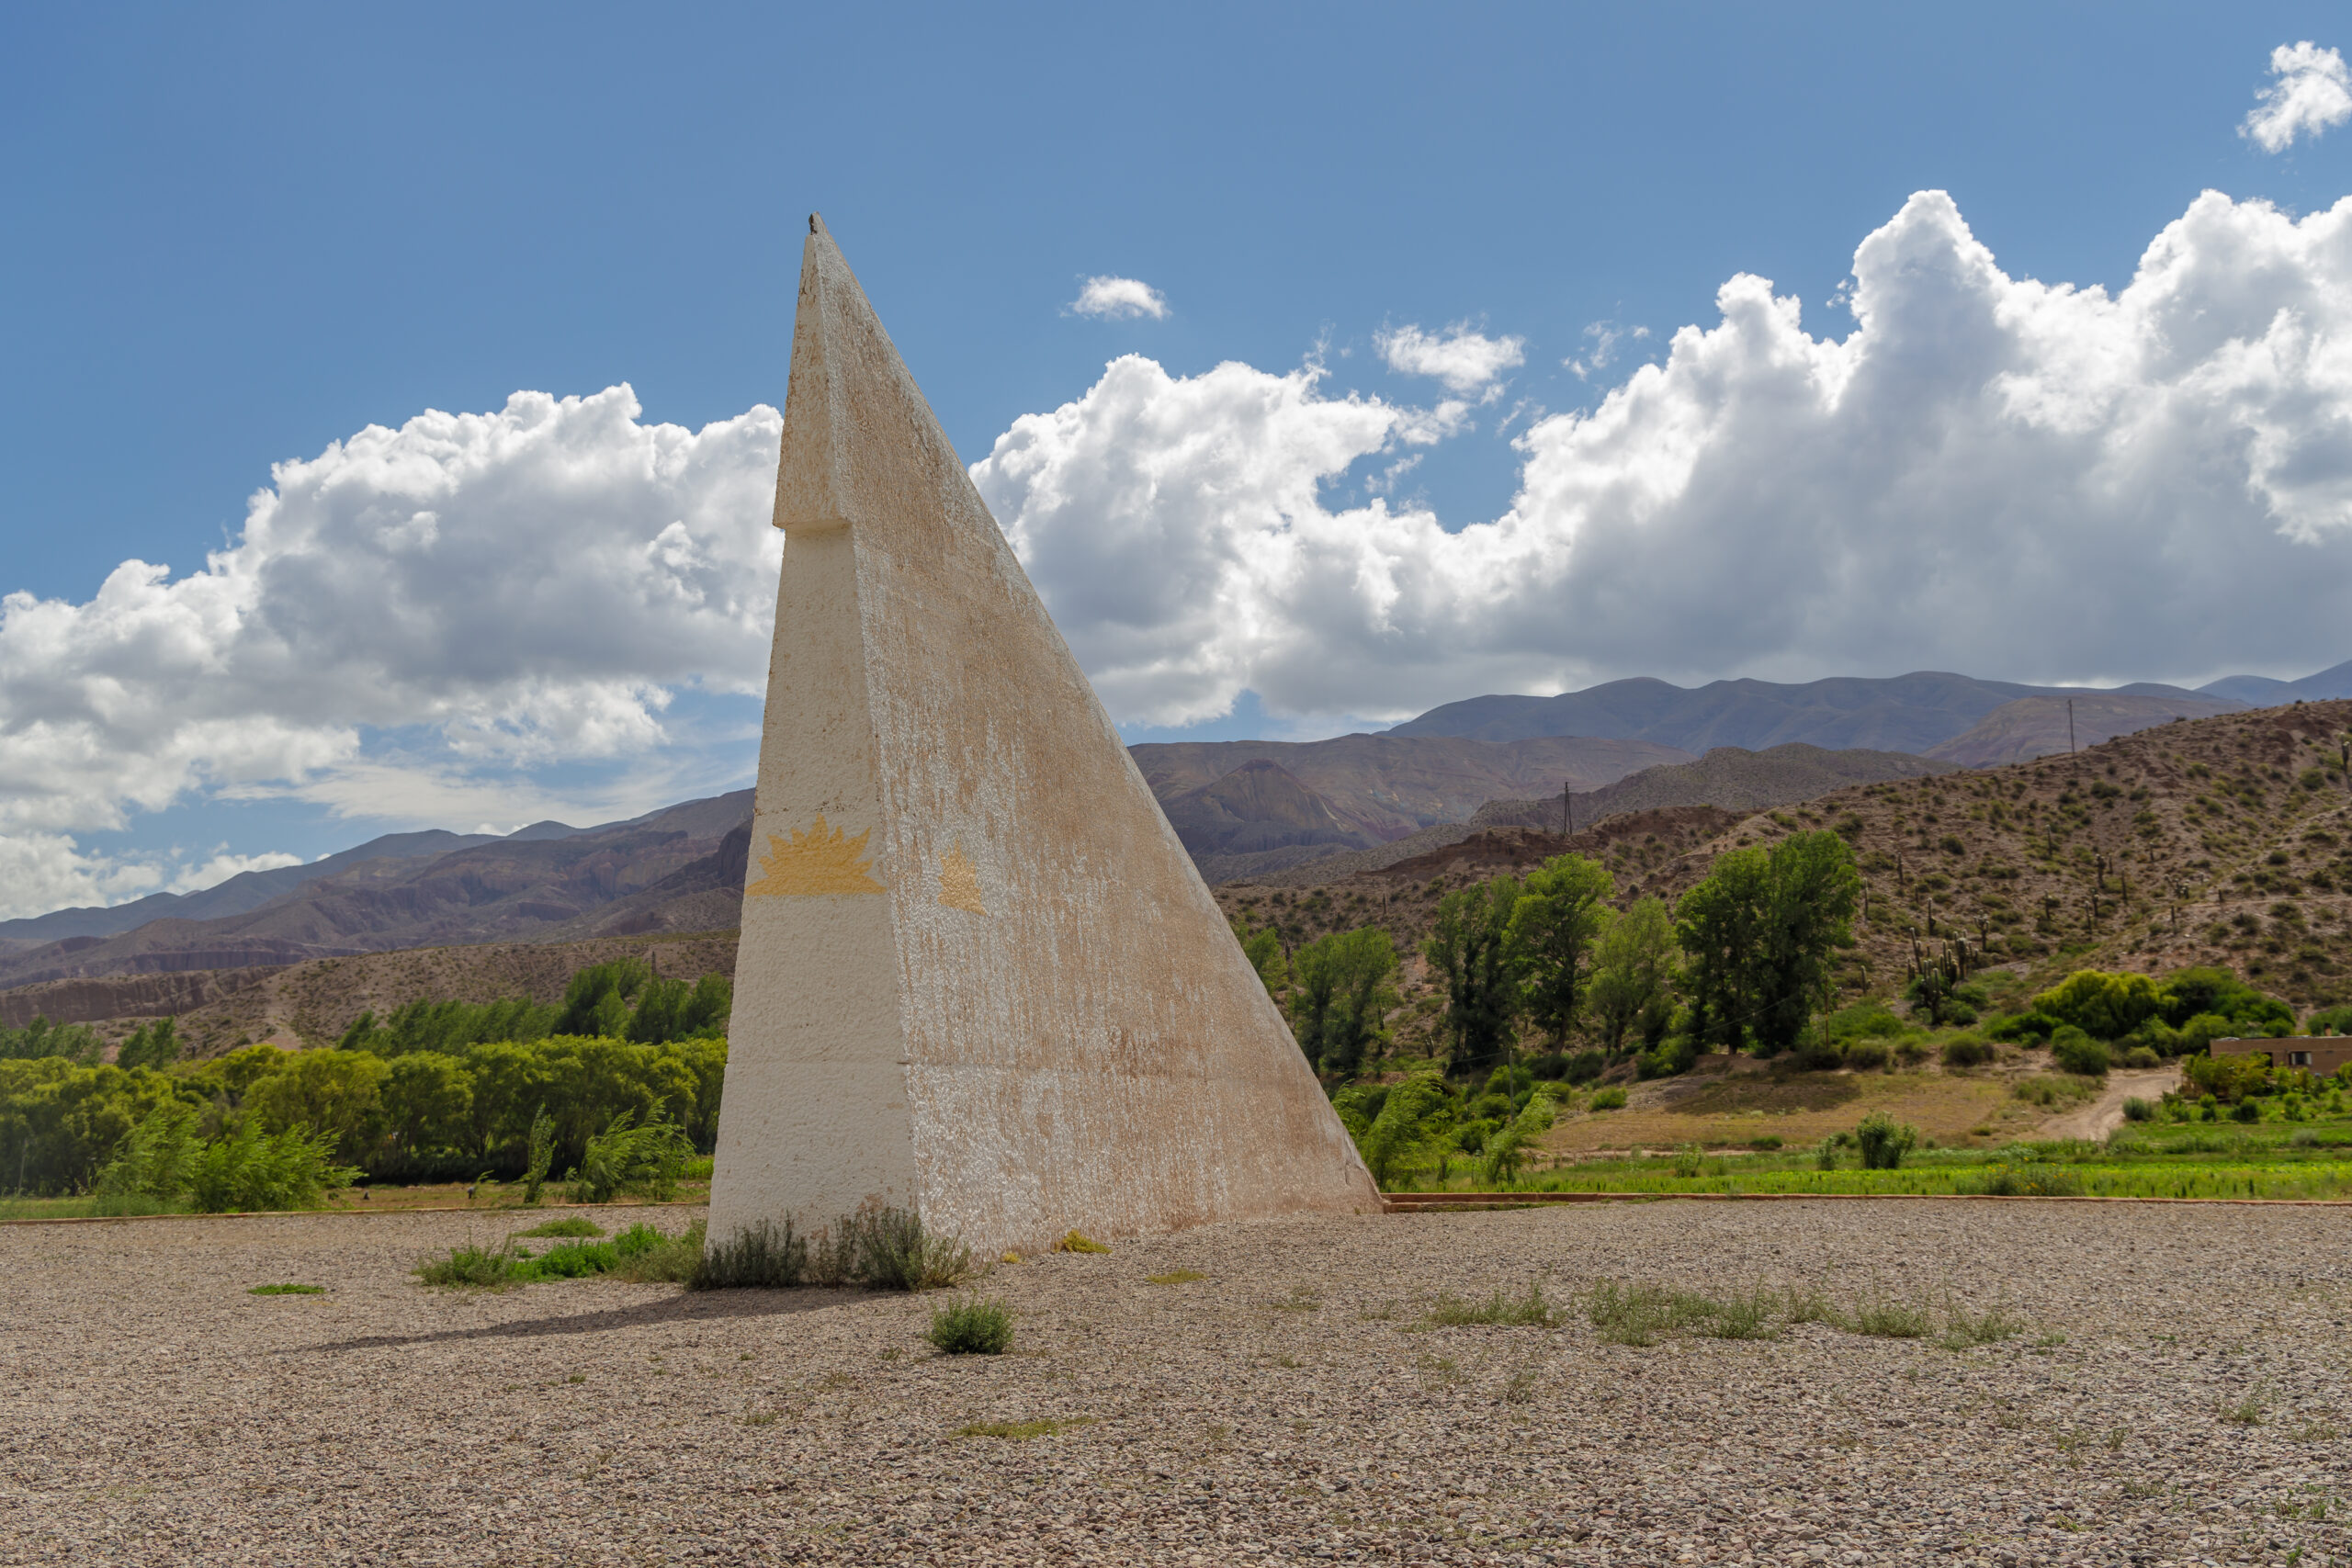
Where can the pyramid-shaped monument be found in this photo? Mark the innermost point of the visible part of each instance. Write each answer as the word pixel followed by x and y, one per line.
pixel 979 976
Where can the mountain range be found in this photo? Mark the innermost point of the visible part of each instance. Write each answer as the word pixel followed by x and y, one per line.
pixel 1285 810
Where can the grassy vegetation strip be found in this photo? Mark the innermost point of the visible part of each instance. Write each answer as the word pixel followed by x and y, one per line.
pixel 287 1214
pixel 1436 1202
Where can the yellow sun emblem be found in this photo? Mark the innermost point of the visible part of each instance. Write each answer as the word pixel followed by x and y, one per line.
pixel 820 861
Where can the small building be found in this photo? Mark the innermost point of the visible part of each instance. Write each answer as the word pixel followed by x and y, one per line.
pixel 2318 1055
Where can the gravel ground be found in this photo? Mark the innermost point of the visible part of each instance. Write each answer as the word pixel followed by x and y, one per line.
pixel 1292 1404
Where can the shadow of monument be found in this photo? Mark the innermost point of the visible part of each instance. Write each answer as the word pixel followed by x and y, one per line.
pixel 717 1306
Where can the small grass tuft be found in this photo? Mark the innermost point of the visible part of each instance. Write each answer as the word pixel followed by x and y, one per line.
pixel 1078 1241
pixel 572 1226
pixel 1530 1311
pixel 1892 1320
pixel 2247 1412
pixel 1963 1332
pixel 972 1327
pixel 1176 1277
pixel 286 1291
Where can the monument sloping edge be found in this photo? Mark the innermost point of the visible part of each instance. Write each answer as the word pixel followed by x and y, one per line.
pixel 1071 1037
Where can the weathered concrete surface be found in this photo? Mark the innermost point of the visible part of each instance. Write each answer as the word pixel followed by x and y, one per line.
pixel 979 976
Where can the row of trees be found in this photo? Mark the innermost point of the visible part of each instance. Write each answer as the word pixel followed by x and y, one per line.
pixel 1743 960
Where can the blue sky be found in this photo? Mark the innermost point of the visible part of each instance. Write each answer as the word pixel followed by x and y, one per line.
pixel 243 233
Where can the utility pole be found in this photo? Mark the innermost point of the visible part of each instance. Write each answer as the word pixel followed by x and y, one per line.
pixel 2070 726
pixel 1567 809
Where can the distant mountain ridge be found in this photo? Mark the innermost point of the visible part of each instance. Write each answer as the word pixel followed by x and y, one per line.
pixel 1904 713
pixel 1728 777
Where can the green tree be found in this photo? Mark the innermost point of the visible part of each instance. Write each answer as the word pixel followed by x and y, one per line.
pixel 1413 1113
pixel 2103 1006
pixel 1760 933
pixel 1559 916
pixel 1469 949
pixel 1263 948
pixel 427 1100
pixel 1342 995
pixel 1719 926
pixel 1634 970
pixel 153 1044
pixel 334 1093
pixel 596 1001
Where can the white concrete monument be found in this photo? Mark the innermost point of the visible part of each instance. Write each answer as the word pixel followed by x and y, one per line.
pixel 979 976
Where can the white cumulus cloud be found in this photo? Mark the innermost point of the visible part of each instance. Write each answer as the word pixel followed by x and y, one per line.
pixel 1117 298
pixel 1466 361
pixel 447 603
pixel 2310 92
pixel 1989 473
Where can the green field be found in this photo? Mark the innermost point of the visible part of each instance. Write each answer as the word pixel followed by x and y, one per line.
pixel 2145 1160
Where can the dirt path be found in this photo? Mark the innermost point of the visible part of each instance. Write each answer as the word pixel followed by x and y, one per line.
pixel 2105 1114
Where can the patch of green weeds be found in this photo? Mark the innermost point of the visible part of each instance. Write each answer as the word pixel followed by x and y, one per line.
pixel 1885 1319
pixel 757 1415
pixel 972 1326
pixel 639 1254
pixel 1301 1299
pixel 1641 1314
pixel 2247 1412
pixel 1964 1331
pixel 1176 1277
pixel 1530 1311
pixel 286 1291
pixel 570 1226
pixel 1521 1388
pixel 1078 1241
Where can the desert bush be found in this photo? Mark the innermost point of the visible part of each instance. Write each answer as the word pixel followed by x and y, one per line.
pixel 1609 1099
pixel 971 1326
pixel 1584 1066
pixel 1869 1056
pixel 1689 1160
pixel 1817 1053
pixel 2141 1057
pixel 646 1159
pixel 762 1256
pixel 541 1158
pixel 896 1252
pixel 2138 1110
pixel 1884 1141
pixel 1668 1058
pixel 1967 1051
pixel 2072 1050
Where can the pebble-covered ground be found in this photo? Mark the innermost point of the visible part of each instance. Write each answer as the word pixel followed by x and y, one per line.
pixel 2176 1394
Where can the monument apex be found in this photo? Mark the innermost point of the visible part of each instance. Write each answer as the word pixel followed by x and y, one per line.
pixel 979 978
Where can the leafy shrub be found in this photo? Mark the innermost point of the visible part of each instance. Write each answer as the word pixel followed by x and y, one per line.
pixel 1967 1051
pixel 164 1160
pixel 1668 1058
pixel 2246 1111
pixel 1768 1141
pixel 2138 1110
pixel 2103 1006
pixel 541 1157
pixel 972 1327
pixel 1584 1066
pixel 762 1256
pixel 2141 1057
pixel 2033 1027
pixel 1869 1056
pixel 1609 1099
pixel 1689 1160
pixel 1817 1053
pixel 645 1160
pixel 2072 1050
pixel 1507 1150
pixel 1884 1141
pixel 1864 1021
